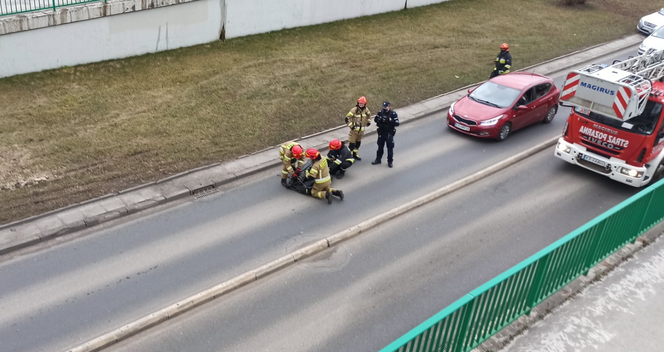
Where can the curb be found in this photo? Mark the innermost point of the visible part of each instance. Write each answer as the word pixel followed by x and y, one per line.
pixel 9 234
pixel 160 316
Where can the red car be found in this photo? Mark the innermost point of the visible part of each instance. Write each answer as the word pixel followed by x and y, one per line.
pixel 504 104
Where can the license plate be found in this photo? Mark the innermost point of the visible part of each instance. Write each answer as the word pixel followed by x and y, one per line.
pixel 461 127
pixel 594 161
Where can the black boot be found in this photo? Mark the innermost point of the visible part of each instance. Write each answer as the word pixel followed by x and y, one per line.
pixel 341 174
pixel 339 193
pixel 283 182
pixel 375 162
pixel 327 196
pixel 356 151
pixel 389 164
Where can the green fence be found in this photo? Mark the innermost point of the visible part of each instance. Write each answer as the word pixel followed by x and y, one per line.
pixel 13 7
pixel 483 312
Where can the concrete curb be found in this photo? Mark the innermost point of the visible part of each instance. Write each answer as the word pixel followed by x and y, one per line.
pixel 33 230
pixel 202 297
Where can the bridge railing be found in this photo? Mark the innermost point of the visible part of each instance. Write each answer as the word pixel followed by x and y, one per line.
pixel 13 7
pixel 480 314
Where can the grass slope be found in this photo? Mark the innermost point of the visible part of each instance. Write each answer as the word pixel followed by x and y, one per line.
pixel 76 133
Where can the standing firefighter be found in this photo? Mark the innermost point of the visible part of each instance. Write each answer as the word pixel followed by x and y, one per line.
pixel 387 120
pixel 340 158
pixel 321 174
pixel 503 61
pixel 291 155
pixel 358 119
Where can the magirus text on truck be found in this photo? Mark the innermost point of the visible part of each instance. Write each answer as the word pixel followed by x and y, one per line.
pixel 616 126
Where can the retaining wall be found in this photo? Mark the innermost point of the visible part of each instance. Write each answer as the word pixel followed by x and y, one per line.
pixel 103 31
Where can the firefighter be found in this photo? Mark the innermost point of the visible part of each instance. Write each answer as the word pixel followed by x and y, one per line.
pixel 386 120
pixel 340 158
pixel 321 174
pixel 358 119
pixel 291 155
pixel 503 61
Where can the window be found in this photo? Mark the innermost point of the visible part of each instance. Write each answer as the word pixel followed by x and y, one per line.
pixel 541 90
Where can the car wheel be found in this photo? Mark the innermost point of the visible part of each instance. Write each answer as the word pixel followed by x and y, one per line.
pixel 550 114
pixel 504 131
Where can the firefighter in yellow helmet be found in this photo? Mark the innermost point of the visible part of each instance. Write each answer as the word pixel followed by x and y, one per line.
pixel 320 172
pixel 357 119
pixel 291 155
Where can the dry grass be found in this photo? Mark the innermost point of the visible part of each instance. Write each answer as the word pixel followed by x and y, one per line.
pixel 77 133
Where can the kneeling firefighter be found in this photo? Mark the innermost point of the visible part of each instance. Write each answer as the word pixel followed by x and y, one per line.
pixel 340 158
pixel 291 155
pixel 321 174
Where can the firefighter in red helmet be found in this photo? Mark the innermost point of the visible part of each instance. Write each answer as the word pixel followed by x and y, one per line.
pixel 357 119
pixel 291 155
pixel 340 158
pixel 503 61
pixel 321 174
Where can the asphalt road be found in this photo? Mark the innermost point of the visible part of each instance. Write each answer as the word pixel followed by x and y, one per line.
pixel 365 293
pixel 60 295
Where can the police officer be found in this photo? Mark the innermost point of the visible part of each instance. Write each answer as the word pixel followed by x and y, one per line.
pixel 387 120
pixel 357 119
pixel 291 155
pixel 503 61
pixel 340 158
pixel 320 173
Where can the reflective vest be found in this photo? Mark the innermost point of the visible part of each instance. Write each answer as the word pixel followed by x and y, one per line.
pixel 359 119
pixel 320 171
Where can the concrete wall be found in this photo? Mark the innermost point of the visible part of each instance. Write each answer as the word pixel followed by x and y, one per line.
pixel 245 17
pixel 97 31
pixel 112 37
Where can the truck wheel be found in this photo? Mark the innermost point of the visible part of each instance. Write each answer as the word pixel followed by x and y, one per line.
pixel 550 114
pixel 659 173
pixel 504 131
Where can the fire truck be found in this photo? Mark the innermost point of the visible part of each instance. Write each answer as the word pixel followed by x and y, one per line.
pixel 616 125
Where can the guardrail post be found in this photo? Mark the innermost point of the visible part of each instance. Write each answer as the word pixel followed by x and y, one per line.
pixel 645 213
pixel 53 5
pixel 535 288
pixel 591 253
pixel 460 338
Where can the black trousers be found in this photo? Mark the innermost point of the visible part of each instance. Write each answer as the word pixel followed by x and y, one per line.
pixel 382 140
pixel 334 167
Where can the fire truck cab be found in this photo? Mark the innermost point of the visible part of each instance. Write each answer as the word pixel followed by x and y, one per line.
pixel 616 126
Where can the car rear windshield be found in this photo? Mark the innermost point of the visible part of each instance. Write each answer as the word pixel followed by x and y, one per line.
pixel 495 95
pixel 643 124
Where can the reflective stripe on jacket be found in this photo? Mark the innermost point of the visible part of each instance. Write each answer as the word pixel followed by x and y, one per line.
pixel 320 171
pixel 358 119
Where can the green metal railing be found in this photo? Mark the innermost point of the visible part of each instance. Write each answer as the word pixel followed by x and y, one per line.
pixel 13 7
pixel 483 312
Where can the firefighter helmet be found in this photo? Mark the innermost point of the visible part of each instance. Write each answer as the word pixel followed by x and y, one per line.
pixel 312 153
pixel 297 151
pixel 362 100
pixel 505 47
pixel 335 144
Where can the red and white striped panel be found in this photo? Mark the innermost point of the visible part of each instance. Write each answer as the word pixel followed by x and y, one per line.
pixel 622 98
pixel 571 83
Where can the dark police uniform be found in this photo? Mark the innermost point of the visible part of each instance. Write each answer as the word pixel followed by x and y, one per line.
pixel 386 121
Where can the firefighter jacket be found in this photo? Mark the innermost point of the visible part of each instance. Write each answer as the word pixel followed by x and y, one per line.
pixel 341 155
pixel 358 119
pixel 386 121
pixel 503 62
pixel 289 161
pixel 320 172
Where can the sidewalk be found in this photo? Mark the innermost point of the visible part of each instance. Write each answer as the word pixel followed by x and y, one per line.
pixel 46 226
pixel 624 312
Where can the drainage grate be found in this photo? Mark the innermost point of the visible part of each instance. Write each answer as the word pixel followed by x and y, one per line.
pixel 204 191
